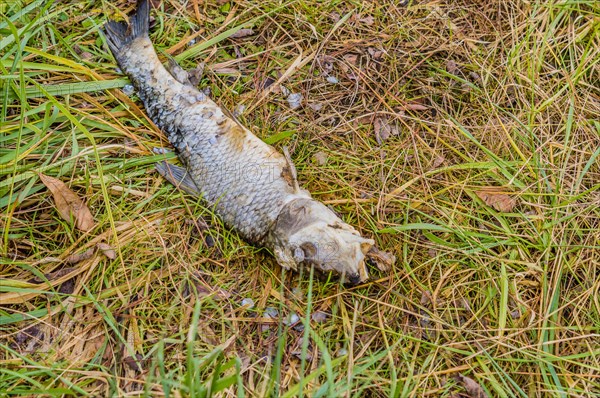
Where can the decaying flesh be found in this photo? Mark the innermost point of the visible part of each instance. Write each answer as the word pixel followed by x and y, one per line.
pixel 247 182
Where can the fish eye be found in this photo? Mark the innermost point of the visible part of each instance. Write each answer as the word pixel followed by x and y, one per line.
pixel 310 250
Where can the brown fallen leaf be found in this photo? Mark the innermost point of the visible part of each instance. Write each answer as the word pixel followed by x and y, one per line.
pixel 426 298
pixel 499 201
pixel 383 260
pixel 242 33
pixel 53 275
pixel 78 257
pixel 375 53
pixel 368 20
pixel 452 67
pixel 383 129
pixel 68 204
pixel 473 389
pixel 438 162
pixel 107 250
pixel 413 106
pixel 134 363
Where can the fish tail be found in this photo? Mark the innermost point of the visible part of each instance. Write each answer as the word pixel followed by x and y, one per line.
pixel 119 35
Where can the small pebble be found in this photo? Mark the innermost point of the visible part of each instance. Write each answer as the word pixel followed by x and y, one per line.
pixel 191 42
pixel 291 319
pixel 270 312
pixel 128 90
pixel 332 79
pixel 248 303
pixel 341 352
pixel 295 100
pixel 319 316
pixel 160 151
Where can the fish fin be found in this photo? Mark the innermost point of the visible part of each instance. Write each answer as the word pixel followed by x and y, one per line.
pixel 178 176
pixel 291 168
pixel 230 115
pixel 121 34
pixel 180 74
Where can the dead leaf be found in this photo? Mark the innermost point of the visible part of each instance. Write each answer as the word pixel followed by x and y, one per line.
pixel 319 316
pixel 320 157
pixel 53 275
pixel 383 260
pixel 438 162
pixel 266 83
pixel 107 250
pixel 316 106
pixel 134 363
pixel 78 257
pixel 375 53
pixel 499 201
pixel 368 20
pixel 383 129
pixel 242 33
pixel 452 67
pixel 326 63
pixel 413 106
pixel 68 204
pixel 350 60
pixel 473 389
pixel 426 298
pixel 475 76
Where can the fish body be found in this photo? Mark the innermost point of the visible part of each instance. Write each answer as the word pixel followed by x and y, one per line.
pixel 250 185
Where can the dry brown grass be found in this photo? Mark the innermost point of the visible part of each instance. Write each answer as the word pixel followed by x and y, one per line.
pixel 432 103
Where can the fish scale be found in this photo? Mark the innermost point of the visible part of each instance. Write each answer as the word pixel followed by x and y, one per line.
pixel 249 184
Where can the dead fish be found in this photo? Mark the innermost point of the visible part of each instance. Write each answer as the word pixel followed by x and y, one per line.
pixel 250 185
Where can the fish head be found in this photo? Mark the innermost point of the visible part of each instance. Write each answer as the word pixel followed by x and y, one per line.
pixel 332 247
pixel 321 239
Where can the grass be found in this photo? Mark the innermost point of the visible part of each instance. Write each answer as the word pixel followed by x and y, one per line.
pixel 500 96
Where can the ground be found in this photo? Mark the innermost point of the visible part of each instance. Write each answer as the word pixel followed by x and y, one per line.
pixel 464 137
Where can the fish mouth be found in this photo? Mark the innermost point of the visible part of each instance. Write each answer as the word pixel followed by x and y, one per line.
pixel 353 279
